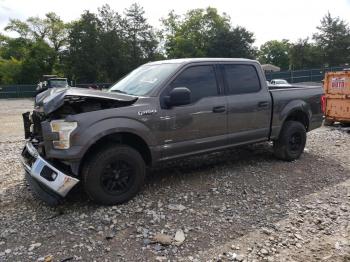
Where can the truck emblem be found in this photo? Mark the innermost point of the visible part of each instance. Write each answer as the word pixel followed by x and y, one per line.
pixel 147 112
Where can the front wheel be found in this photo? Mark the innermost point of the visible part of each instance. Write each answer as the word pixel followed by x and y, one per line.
pixel 113 175
pixel 291 141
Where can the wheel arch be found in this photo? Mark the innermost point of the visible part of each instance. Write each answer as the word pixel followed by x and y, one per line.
pixel 121 137
pixel 296 110
pixel 300 116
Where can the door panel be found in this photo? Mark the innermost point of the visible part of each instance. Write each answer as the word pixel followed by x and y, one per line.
pixel 194 127
pixel 249 104
pixel 201 125
pixel 247 121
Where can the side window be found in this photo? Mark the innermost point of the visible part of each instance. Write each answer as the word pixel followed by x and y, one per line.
pixel 241 79
pixel 200 80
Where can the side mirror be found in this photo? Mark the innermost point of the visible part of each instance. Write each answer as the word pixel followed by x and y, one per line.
pixel 178 96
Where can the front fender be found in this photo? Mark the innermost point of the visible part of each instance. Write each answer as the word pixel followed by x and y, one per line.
pixel 88 134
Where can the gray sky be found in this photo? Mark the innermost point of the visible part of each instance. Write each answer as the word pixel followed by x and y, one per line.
pixel 268 19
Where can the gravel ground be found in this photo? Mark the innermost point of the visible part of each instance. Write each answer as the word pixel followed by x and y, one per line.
pixel 236 205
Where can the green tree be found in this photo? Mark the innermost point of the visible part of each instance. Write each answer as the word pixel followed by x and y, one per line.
pixel 140 36
pixel 18 26
pixel 276 53
pixel 14 48
pixel 82 58
pixel 105 46
pixel 204 32
pixel 237 42
pixel 10 70
pixel 113 46
pixel 304 54
pixel 33 28
pixel 38 46
pixel 334 40
pixel 39 60
pixel 56 31
pixel 51 29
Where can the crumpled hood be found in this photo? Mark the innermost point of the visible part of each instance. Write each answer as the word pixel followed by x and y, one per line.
pixel 54 98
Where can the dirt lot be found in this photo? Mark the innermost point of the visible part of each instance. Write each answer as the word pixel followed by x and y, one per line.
pixel 237 205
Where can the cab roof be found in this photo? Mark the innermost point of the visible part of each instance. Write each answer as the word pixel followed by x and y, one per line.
pixel 197 60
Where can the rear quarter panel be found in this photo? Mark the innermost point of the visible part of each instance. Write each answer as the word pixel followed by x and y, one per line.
pixel 288 100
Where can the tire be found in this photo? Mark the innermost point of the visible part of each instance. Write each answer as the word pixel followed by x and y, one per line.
pixel 113 175
pixel 328 122
pixel 345 124
pixel 291 141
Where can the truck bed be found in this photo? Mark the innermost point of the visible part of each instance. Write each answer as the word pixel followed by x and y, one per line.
pixel 308 99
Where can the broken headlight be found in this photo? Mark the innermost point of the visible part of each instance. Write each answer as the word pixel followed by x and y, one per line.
pixel 64 129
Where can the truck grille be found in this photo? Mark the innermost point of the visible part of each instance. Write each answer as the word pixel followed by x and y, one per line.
pixel 26 124
pixel 37 119
pixel 32 125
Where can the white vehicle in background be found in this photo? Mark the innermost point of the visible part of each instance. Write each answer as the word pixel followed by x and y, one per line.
pixel 51 81
pixel 279 82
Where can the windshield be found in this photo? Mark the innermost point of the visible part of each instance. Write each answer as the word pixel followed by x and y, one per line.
pixel 144 79
pixel 58 83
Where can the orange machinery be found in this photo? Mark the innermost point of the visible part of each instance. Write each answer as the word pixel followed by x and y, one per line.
pixel 337 97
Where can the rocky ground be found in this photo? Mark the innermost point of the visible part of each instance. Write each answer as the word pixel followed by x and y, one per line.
pixel 237 205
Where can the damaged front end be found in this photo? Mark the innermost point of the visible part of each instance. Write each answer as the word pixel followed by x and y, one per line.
pixel 47 129
pixel 76 100
pixel 45 173
pixel 45 180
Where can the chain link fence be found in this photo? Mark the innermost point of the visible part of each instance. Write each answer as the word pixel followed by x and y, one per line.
pixel 307 75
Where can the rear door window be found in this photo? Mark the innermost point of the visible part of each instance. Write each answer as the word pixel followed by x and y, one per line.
pixel 241 79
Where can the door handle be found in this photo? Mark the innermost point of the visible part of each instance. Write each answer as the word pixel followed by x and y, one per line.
pixel 263 104
pixel 219 109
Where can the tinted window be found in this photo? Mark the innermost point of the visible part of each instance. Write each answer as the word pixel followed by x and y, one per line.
pixel 241 79
pixel 200 80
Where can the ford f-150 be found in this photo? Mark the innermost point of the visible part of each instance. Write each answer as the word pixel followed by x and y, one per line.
pixel 161 111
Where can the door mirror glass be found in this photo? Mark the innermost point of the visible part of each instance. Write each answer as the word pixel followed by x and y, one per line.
pixel 178 96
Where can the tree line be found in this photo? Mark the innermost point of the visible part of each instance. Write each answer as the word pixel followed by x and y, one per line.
pixel 104 46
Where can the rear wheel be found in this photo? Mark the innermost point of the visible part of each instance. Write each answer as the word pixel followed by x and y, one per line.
pixel 291 142
pixel 113 175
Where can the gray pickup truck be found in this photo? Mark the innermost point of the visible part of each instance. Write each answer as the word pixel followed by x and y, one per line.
pixel 160 111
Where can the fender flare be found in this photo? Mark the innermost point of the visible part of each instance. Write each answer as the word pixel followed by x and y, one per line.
pixel 109 126
pixel 288 110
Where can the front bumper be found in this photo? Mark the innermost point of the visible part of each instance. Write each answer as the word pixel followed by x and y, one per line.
pixel 45 173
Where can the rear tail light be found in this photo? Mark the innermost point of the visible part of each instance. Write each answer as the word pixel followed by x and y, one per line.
pixel 323 103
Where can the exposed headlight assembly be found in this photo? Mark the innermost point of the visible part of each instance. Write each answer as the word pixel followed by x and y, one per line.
pixel 64 129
